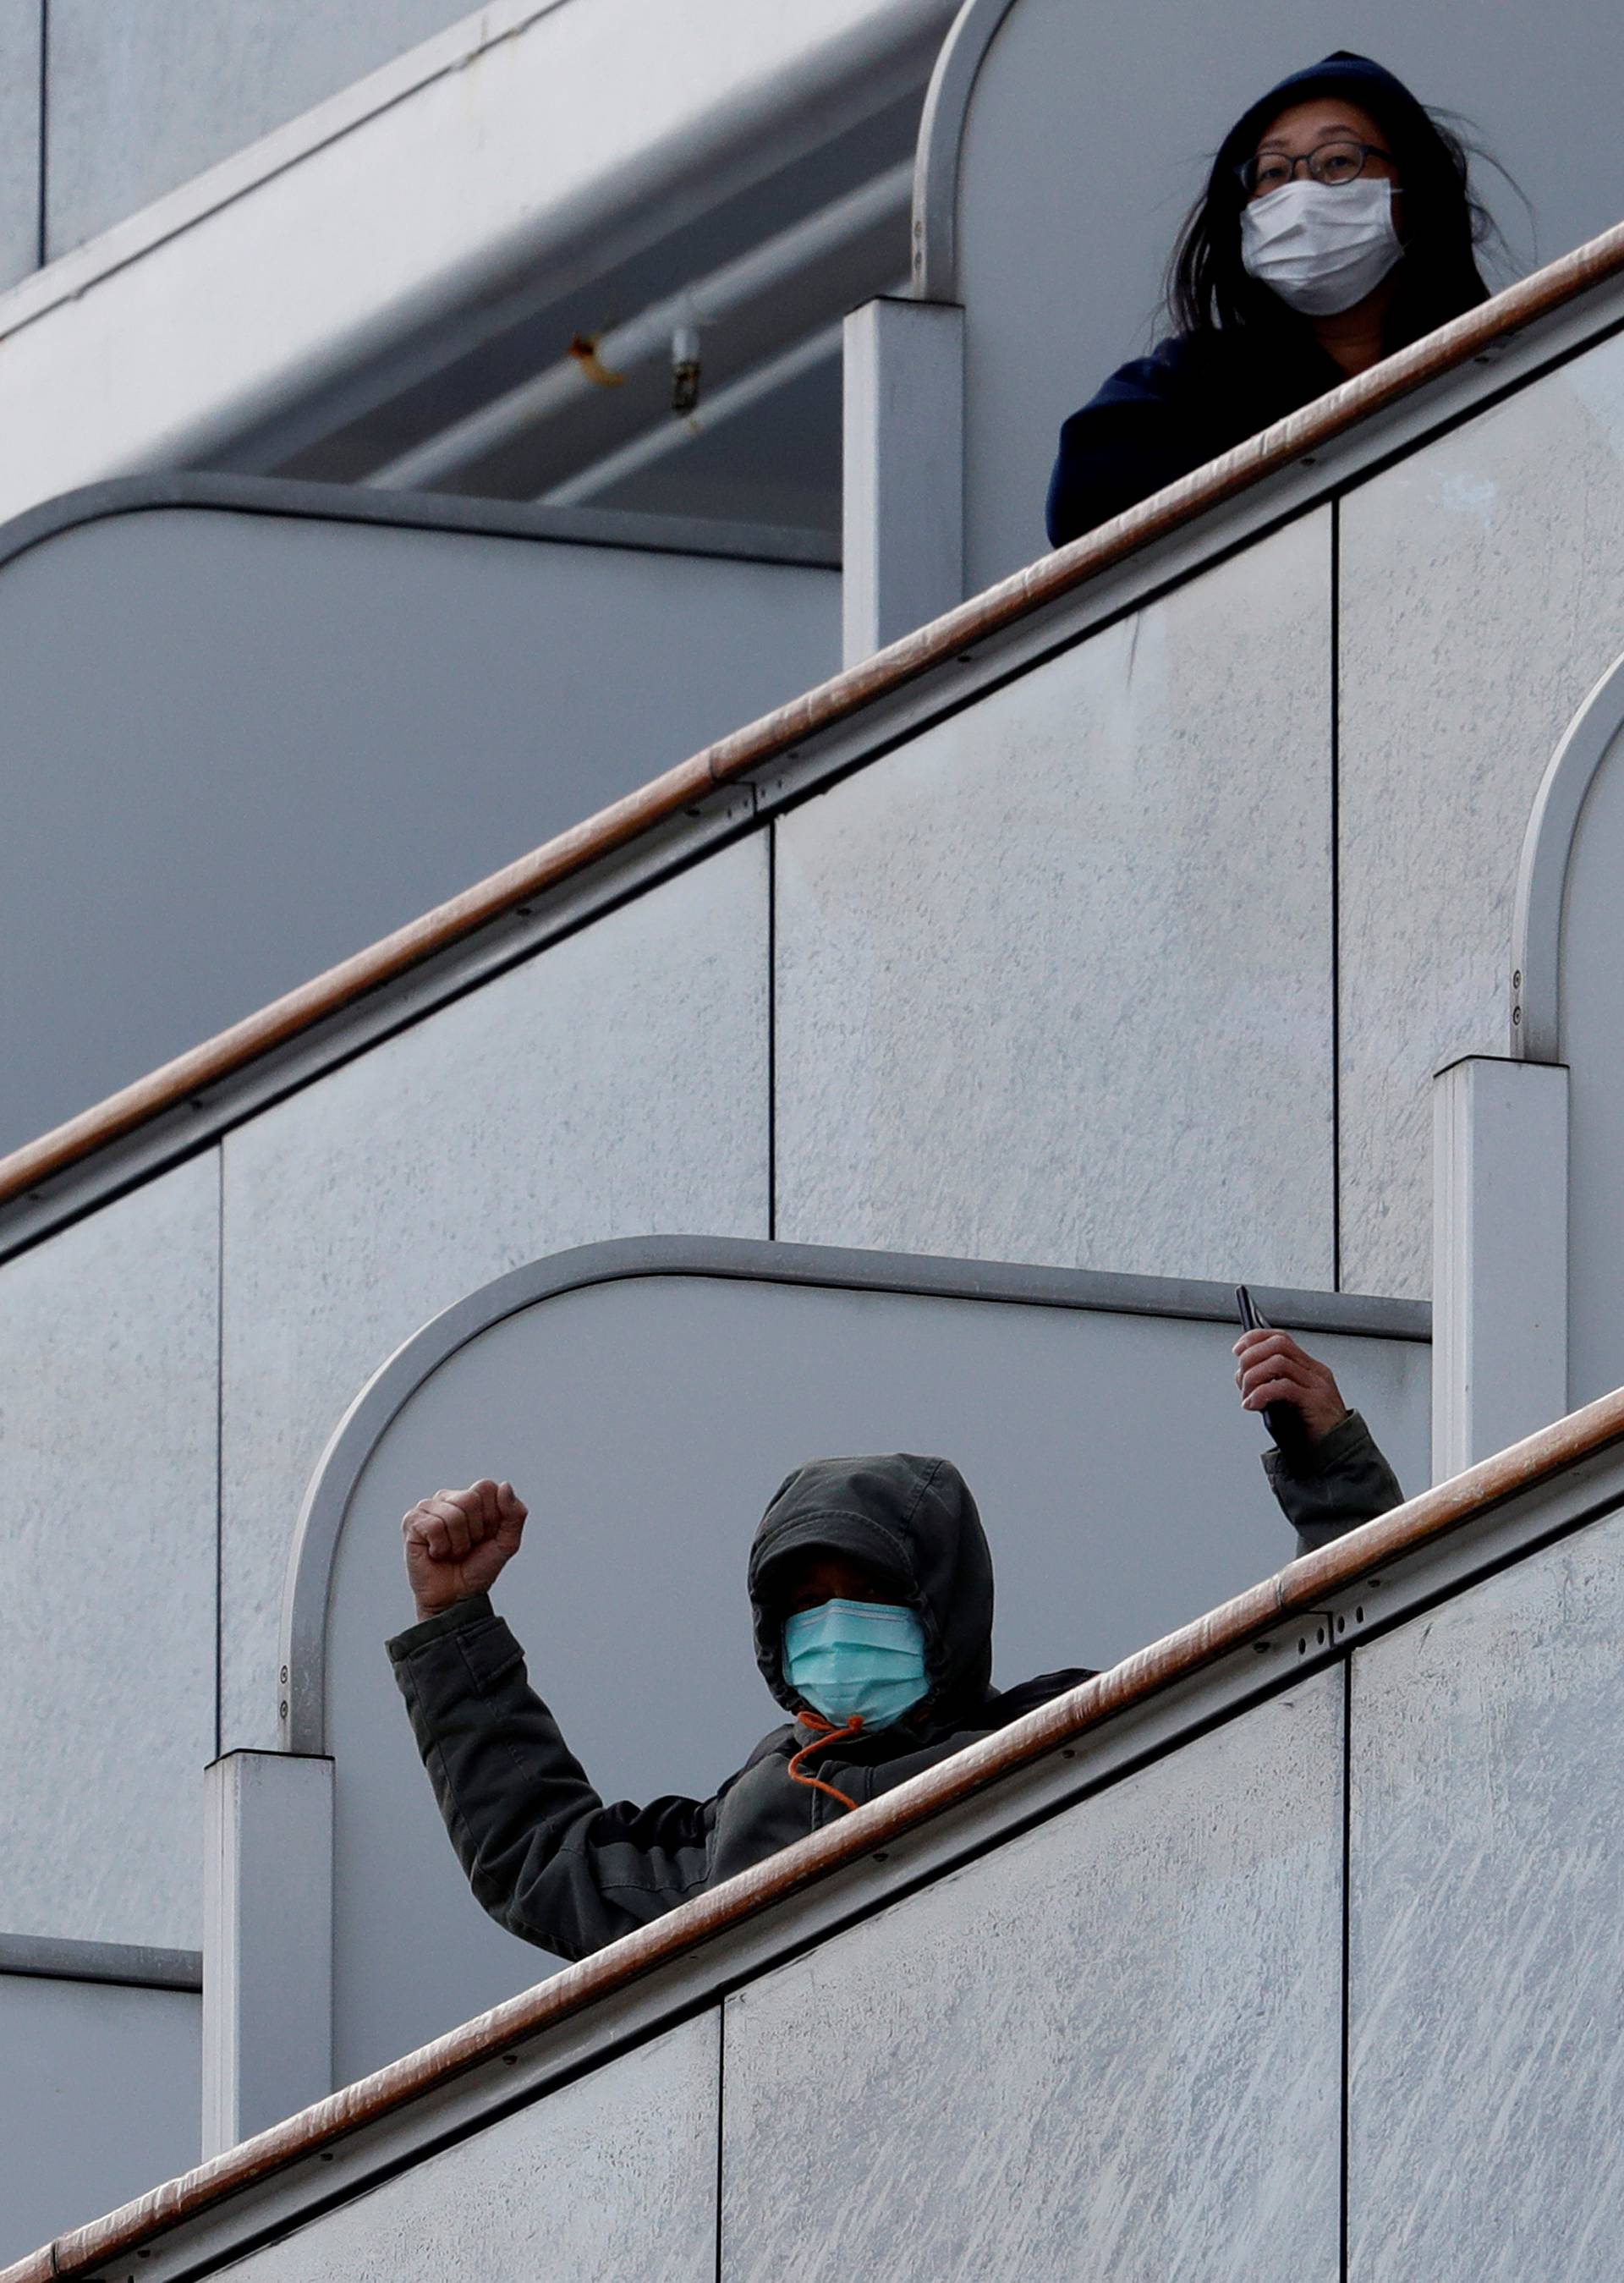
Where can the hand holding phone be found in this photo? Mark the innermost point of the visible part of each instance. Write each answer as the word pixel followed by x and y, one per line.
pixel 1288 1430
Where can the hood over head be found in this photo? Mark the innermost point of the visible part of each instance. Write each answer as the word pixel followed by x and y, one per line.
pixel 1358 78
pixel 910 1518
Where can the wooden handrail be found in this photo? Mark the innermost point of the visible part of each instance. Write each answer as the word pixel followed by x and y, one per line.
pixel 1303 1586
pixel 1045 581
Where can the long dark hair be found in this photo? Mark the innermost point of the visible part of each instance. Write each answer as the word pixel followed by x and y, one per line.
pixel 1208 290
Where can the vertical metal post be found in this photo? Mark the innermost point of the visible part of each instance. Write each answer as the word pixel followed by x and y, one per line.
pixel 266 1942
pixel 903 481
pixel 1499 1256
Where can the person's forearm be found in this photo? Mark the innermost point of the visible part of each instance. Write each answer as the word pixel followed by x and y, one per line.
pixel 542 1853
pixel 1346 1481
pixel 506 1784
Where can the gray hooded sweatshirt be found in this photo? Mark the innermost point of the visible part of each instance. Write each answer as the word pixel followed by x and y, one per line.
pixel 554 1865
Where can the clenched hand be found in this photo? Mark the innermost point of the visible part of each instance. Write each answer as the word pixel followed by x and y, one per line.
pixel 458 1542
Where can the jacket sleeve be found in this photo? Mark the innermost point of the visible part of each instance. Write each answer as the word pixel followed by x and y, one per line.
pixel 544 1855
pixel 1350 1482
pixel 1135 435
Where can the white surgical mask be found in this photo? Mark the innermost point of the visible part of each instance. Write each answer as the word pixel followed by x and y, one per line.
pixel 1321 247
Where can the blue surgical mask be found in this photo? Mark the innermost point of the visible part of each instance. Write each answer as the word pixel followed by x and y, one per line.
pixel 852 1659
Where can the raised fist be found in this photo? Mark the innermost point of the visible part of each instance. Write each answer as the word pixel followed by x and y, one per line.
pixel 458 1542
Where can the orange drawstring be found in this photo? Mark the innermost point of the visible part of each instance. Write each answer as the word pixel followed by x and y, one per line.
pixel 824 1733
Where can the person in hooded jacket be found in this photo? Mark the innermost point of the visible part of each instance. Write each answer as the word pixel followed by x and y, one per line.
pixel 1337 226
pixel 871 1582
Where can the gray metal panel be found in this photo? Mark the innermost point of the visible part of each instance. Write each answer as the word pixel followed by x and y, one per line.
pixel 133 1963
pixel 1542 872
pixel 611 2178
pixel 1089 134
pixel 20 138
pixel 1592 1016
pixel 143 98
pixel 647 1423
pixel 1110 2048
pixel 256 742
pixel 108 1362
pixel 1482 586
pixel 101 2100
pixel 1054 978
pixel 1486 1960
pixel 617 1083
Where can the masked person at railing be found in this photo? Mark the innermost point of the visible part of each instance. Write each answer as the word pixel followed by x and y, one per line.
pixel 1337 225
pixel 872 1588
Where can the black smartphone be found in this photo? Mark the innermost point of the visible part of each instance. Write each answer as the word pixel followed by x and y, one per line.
pixel 1283 1421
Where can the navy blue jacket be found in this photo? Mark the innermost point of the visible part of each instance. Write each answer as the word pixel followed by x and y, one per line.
pixel 1155 419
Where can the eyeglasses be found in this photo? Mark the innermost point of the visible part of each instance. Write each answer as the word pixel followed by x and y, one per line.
pixel 1332 162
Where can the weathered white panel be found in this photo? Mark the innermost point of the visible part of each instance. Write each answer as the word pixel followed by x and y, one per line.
pixel 142 97
pixel 108 1390
pixel 1482 593
pixel 902 515
pixel 266 1941
pixel 611 2178
pixel 20 138
pixel 1487 1961
pixel 613 1085
pixel 1500 1247
pixel 1109 2048
pixel 1054 980
pixel 101 2100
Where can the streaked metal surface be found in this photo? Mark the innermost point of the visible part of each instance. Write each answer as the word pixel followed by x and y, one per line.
pixel 1482 585
pixel 617 1083
pixel 1025 1005
pixel 1110 2048
pixel 20 23
pixel 135 112
pixel 1370 413
pixel 608 2179
pixel 1487 1959
pixel 458 694
pixel 101 2099
pixel 1106 1532
pixel 108 1358
pixel 1436 1543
